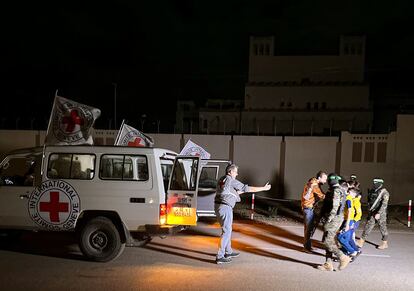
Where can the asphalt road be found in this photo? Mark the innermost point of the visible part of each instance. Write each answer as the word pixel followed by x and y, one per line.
pixel 271 259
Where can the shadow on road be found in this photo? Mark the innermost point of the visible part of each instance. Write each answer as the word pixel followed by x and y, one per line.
pixel 278 231
pixel 257 251
pixel 183 249
pixel 58 245
pixel 173 251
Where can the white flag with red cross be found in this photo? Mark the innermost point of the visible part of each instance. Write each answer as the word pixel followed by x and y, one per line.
pixel 193 149
pixel 129 136
pixel 71 123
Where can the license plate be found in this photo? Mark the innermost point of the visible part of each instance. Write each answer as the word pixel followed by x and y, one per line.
pixel 182 211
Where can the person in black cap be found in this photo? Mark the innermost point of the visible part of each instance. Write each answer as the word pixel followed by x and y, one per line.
pixel 378 198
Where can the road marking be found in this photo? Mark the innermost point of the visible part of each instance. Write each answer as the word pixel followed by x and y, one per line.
pixel 380 256
pixel 395 232
pixel 290 250
pixel 273 249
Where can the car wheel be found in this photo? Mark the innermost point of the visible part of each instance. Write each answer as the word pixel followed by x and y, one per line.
pixel 100 240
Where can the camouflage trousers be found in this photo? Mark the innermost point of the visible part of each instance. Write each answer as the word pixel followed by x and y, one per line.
pixel 331 230
pixel 382 222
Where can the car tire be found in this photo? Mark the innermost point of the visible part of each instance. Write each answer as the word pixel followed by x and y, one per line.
pixel 100 240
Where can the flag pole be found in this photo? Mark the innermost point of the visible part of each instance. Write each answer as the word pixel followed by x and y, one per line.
pixel 51 115
pixel 47 131
pixel 119 131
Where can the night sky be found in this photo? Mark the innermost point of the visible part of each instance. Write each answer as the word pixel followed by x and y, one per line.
pixel 160 51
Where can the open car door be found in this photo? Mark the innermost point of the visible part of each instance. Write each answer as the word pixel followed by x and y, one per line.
pixel 182 191
pixel 211 171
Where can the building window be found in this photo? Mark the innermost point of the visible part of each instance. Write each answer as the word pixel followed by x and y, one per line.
pixel 323 105
pixel 282 104
pixel 382 152
pixel 308 105
pixel 256 51
pixel 356 152
pixel 359 49
pixel 369 152
pixel 346 49
pixel 98 141
pixel 110 141
pixel 261 50
pixel 267 49
pixel 289 104
pixel 316 105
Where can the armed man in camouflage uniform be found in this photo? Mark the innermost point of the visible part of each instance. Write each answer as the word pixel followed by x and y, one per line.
pixel 378 198
pixel 333 210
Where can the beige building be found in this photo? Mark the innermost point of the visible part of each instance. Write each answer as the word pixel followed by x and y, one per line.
pixel 295 95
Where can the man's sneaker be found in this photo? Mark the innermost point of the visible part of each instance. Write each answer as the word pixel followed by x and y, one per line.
pixel 353 257
pixel 232 255
pixel 223 260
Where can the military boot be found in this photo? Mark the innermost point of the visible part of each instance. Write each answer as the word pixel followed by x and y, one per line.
pixel 360 242
pixel 326 267
pixel 343 262
pixel 383 245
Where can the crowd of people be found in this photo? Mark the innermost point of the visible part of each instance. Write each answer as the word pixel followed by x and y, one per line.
pixel 338 210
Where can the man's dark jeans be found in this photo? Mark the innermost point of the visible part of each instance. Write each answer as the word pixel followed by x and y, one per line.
pixel 308 220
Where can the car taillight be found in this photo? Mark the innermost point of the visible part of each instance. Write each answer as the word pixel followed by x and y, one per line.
pixel 163 214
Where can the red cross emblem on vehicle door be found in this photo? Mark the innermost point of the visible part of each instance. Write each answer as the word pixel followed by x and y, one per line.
pixel 54 207
pixel 72 120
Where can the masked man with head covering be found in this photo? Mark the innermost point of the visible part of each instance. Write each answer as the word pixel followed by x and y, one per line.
pixel 378 198
pixel 333 210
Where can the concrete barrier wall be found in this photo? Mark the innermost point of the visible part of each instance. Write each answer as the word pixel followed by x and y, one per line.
pixel 15 139
pixel 167 141
pixel 259 160
pixel 290 162
pixel 403 181
pixel 305 156
pixel 366 171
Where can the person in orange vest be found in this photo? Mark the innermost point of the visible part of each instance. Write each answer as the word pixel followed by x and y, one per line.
pixel 312 193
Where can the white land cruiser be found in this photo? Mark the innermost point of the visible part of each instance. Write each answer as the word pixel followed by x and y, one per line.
pixel 110 196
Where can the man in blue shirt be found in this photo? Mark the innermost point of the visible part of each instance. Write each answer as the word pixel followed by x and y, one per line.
pixel 227 195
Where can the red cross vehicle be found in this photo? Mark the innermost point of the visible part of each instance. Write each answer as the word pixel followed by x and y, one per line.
pixel 109 196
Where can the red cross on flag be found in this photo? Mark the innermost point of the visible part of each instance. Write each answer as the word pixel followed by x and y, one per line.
pixel 129 136
pixel 193 149
pixel 71 123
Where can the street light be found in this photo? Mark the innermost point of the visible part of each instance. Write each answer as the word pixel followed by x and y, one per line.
pixel 115 86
